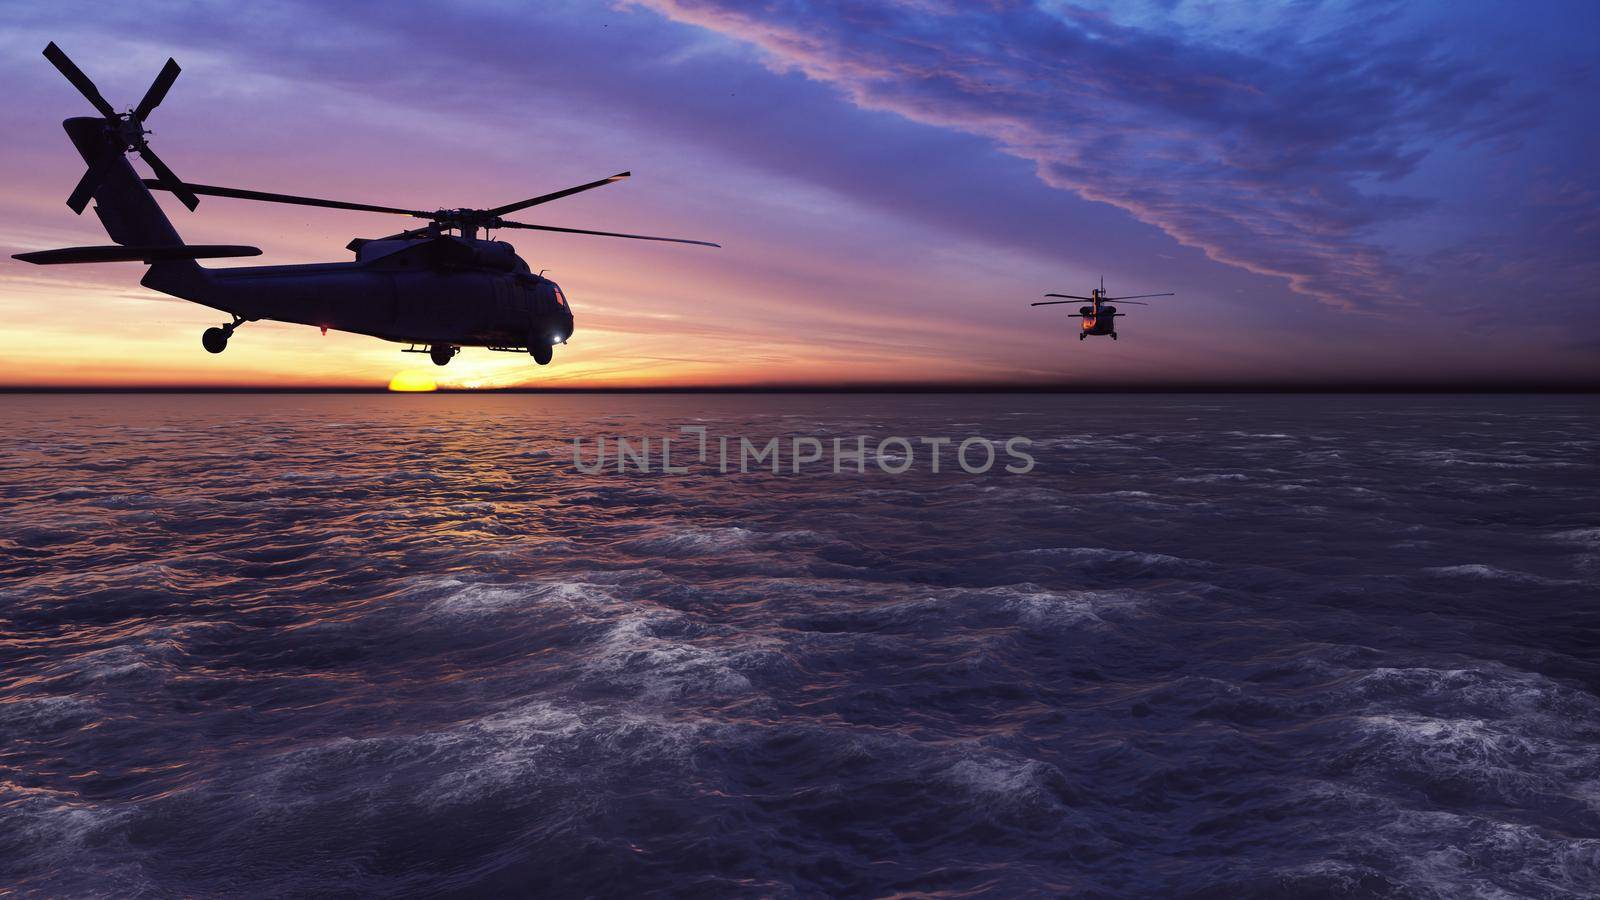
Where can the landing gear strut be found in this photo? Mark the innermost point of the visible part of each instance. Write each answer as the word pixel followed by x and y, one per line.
pixel 542 353
pixel 441 354
pixel 215 340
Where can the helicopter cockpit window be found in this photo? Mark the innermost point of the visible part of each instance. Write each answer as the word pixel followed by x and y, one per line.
pixel 561 299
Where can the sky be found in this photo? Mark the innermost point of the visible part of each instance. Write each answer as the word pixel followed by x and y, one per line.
pixel 1346 191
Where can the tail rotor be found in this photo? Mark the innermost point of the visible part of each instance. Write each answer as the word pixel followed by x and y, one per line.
pixel 126 129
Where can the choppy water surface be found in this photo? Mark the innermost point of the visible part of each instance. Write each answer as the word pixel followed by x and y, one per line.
pixel 1211 646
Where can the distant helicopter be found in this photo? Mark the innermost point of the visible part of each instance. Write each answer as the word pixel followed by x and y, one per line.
pixel 1099 317
pixel 425 287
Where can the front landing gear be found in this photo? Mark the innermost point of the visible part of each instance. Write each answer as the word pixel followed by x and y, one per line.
pixel 215 340
pixel 542 353
pixel 441 354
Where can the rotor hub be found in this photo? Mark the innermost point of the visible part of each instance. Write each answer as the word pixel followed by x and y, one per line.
pixel 131 131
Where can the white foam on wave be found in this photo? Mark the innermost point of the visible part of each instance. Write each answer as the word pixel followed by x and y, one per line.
pixel 1105 555
pixel 650 652
pixel 1002 778
pixel 1493 573
pixel 1500 761
pixel 535 752
pixel 1588 537
pixel 1503 487
pixel 1213 478
pixel 692 541
pixel 1493 689
pixel 54 832
pixel 46 713
pixel 1040 608
pixel 138 660
pixel 460 597
pixel 1446 854
pixel 525 747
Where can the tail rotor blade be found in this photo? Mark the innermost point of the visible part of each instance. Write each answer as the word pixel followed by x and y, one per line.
pixel 168 180
pixel 158 89
pixel 79 80
pixel 84 192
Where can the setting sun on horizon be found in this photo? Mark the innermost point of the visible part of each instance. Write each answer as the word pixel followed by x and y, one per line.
pixel 413 381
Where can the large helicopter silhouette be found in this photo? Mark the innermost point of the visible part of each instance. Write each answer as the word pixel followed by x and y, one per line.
pixel 426 287
pixel 1099 317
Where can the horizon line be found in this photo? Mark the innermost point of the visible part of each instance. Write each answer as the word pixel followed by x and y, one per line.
pixel 1501 386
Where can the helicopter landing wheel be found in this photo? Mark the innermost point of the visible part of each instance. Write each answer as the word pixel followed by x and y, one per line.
pixel 542 353
pixel 1081 335
pixel 215 340
pixel 1113 335
pixel 441 354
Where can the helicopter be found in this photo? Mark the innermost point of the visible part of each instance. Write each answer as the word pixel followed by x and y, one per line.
pixel 437 288
pixel 1099 317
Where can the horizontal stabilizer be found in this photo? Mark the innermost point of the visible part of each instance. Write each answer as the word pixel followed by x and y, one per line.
pixel 147 255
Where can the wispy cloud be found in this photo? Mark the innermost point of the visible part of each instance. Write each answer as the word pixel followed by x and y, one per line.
pixel 1275 147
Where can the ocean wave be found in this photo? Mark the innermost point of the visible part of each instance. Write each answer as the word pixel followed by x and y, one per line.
pixel 1038 608
pixel 463 598
pixel 690 541
pixel 1493 573
pixel 658 656
pixel 1490 761
pixel 1126 560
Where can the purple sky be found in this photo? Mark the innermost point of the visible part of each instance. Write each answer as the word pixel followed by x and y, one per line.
pixel 1360 189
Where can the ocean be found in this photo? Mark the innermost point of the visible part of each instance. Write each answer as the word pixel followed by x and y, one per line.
pixel 1205 646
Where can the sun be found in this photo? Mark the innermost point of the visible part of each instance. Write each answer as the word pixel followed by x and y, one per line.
pixel 413 380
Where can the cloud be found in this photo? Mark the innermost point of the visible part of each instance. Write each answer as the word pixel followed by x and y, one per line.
pixel 1276 148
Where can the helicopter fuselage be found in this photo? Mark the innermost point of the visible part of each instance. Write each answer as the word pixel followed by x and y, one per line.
pixel 441 290
pixel 1099 319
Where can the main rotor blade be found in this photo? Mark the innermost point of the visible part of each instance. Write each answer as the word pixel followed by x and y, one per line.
pixel 84 192
pixel 78 79
pixel 167 181
pixel 1052 302
pixel 637 237
pixel 546 198
pixel 1138 296
pixel 211 190
pixel 158 89
pixel 1130 302
pixel 1071 296
pixel 404 235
